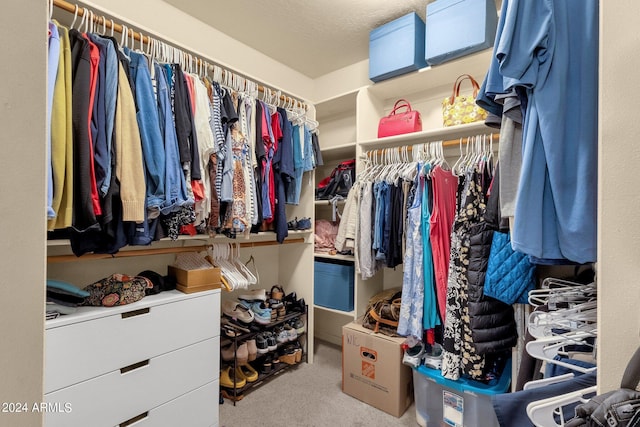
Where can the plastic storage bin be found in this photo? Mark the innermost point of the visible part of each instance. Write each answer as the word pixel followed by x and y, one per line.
pixel 333 284
pixel 443 402
pixel 455 28
pixel 397 48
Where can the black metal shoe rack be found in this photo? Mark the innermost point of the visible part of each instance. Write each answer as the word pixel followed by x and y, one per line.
pixel 240 337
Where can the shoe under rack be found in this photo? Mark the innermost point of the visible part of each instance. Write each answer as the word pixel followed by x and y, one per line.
pixel 242 333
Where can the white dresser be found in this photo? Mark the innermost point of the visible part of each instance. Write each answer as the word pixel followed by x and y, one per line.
pixel 153 363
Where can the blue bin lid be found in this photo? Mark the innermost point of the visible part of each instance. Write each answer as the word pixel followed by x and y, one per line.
pixel 469 385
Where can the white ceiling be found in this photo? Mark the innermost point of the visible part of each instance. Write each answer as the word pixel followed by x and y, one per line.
pixel 313 37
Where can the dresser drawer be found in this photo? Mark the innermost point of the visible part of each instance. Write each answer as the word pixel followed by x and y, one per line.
pixel 79 351
pixel 198 408
pixel 118 396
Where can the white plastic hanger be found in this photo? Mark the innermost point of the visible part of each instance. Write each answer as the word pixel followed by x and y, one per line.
pixel 543 413
pixel 75 16
pixel 547 348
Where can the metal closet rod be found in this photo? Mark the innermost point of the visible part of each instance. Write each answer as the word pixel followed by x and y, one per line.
pixel 100 19
pixel 448 143
pixel 53 259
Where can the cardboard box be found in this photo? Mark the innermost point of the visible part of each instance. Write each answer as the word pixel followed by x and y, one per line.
pixel 372 369
pixel 205 276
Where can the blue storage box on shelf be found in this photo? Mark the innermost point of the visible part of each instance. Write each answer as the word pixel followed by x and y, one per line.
pixel 455 28
pixel 443 402
pixel 333 284
pixel 397 48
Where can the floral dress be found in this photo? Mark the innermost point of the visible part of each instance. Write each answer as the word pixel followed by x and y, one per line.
pixel 459 353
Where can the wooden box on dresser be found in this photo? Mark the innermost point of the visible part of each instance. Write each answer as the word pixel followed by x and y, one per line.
pixel 151 363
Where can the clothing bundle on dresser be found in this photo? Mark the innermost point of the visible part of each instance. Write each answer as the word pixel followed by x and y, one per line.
pixel 140 149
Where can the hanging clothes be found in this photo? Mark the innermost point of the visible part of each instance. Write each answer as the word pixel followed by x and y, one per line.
pixel 541 48
pixel 458 347
pixel 62 137
pixel 430 317
pixel 410 320
pixel 440 225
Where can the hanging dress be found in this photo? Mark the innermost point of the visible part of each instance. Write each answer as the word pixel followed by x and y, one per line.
pixel 459 351
pixel 411 308
pixel 430 317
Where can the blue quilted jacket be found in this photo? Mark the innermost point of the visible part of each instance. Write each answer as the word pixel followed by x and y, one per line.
pixel 510 275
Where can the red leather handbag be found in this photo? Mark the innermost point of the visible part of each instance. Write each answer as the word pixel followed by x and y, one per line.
pixel 397 122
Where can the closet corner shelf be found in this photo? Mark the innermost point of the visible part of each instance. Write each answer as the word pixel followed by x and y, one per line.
pixel 428 135
pixel 427 78
pixel 336 105
pixel 350 258
pixel 342 151
pixel 333 310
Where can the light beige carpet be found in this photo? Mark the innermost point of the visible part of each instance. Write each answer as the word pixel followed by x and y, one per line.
pixel 308 396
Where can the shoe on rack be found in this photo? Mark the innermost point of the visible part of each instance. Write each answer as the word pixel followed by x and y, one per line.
pixel 271 341
pixel 292 335
pixel 267 364
pixel 281 335
pixel 247 372
pixel 298 325
pixel 241 354
pixel 293 224
pixel 227 353
pixel 261 314
pixel 287 355
pixel 261 344
pixel 253 295
pixel 230 380
pixel 237 311
pixel 297 351
pixel 252 349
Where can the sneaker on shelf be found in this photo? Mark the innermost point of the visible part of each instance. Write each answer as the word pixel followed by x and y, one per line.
pixel 245 370
pixel 292 335
pixel 304 224
pixel 237 311
pixel 261 344
pixel 261 314
pixel 298 325
pixel 413 355
pixel 271 341
pixel 281 335
pixel 293 224
pixel 253 295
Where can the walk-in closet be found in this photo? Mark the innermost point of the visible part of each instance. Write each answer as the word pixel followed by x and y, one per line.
pixel 229 239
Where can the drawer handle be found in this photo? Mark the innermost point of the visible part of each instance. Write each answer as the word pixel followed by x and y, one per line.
pixel 134 366
pixel 134 419
pixel 135 313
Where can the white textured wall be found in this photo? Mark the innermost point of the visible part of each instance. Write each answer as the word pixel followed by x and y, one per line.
pixel 619 202
pixel 22 211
